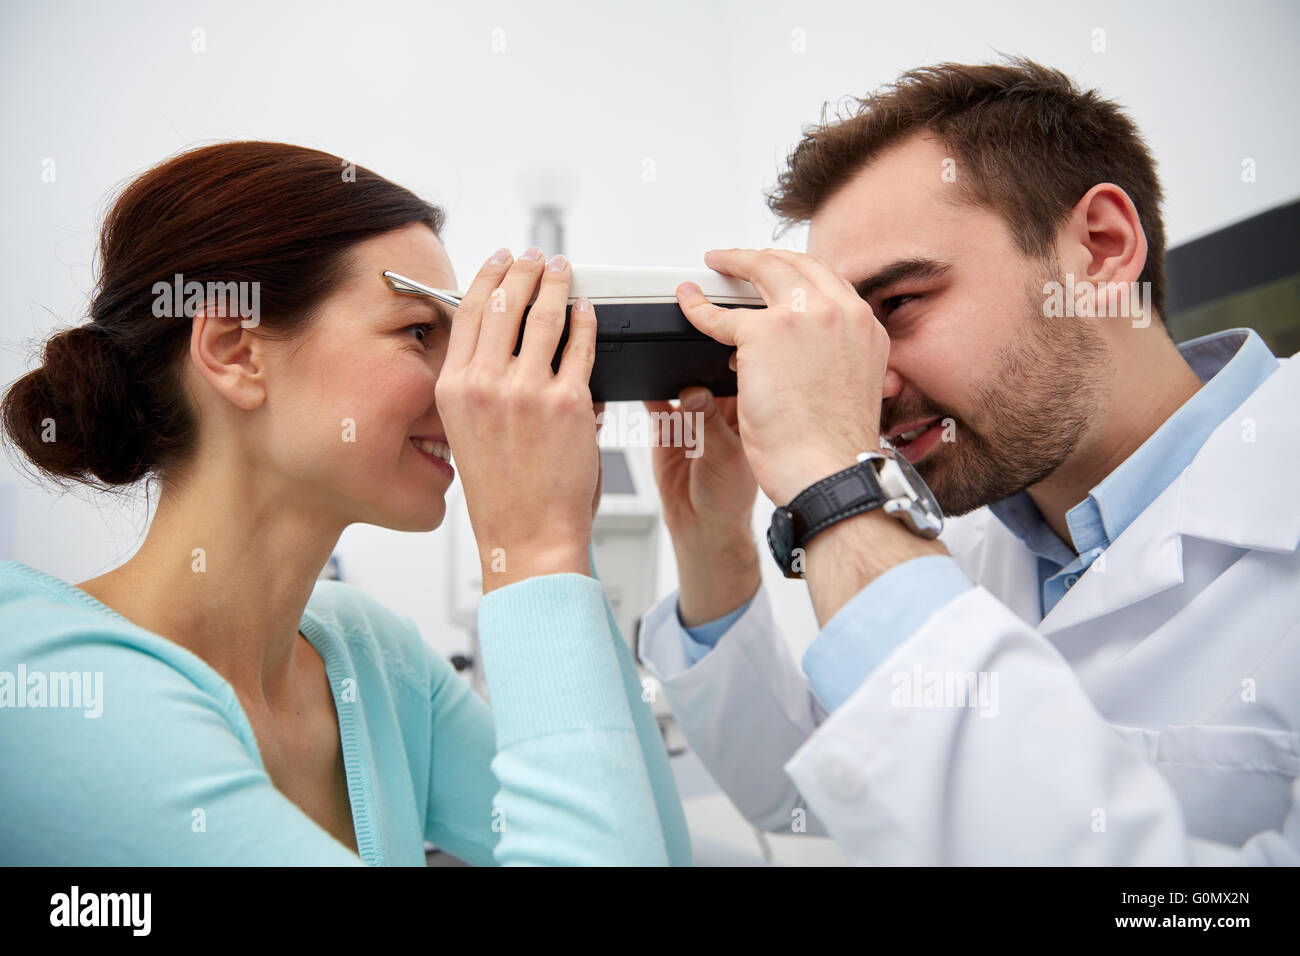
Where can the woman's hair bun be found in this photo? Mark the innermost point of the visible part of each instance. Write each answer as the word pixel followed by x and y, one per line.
pixel 74 417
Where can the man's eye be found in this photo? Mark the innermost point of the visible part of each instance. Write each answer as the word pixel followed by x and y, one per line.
pixel 895 302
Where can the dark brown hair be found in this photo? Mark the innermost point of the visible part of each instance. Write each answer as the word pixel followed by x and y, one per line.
pixel 1027 141
pixel 279 215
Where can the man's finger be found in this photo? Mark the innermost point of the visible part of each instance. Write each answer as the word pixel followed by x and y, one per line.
pixel 823 277
pixel 714 321
pixel 771 276
pixel 659 452
pixel 727 406
pixel 714 421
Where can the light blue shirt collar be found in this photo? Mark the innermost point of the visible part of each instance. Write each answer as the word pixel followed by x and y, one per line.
pixel 1231 365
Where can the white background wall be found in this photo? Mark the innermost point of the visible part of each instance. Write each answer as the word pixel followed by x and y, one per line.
pixel 581 96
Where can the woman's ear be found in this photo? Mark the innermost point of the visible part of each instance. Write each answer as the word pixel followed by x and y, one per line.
pixel 229 356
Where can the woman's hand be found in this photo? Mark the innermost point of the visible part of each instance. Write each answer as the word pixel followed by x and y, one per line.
pixel 523 437
pixel 598 411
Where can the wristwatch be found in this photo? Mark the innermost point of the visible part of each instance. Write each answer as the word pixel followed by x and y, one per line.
pixel 880 479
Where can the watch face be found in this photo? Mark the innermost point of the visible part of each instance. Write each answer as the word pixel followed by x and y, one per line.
pixel 780 537
pixel 928 500
pixel 914 503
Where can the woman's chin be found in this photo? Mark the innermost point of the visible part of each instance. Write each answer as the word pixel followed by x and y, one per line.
pixel 424 519
pixel 430 523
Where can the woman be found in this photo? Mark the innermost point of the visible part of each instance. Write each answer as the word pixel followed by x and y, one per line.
pixel 247 712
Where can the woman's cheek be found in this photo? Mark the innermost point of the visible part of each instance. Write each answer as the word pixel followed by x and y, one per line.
pixel 412 392
pixel 310 449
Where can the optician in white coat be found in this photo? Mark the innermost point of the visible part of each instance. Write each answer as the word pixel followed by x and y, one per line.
pixel 1150 718
pixel 1122 591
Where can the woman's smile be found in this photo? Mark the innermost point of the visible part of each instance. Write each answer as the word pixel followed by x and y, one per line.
pixel 435 449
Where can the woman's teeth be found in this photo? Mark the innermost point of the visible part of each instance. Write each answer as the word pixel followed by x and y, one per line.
pixel 441 449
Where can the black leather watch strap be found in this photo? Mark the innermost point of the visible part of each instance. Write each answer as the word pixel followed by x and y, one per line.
pixel 842 495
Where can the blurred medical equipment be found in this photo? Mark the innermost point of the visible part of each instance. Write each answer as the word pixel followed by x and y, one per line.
pixel 547 229
pixel 333 570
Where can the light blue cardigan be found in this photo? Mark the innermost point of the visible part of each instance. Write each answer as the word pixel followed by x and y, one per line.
pixel 567 767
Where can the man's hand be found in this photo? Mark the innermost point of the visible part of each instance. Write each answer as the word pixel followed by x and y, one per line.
pixel 811 369
pixel 811 366
pixel 708 501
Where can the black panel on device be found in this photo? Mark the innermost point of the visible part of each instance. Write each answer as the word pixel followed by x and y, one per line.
pixel 650 351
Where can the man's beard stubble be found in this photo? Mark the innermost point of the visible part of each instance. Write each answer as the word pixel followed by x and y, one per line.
pixel 1032 414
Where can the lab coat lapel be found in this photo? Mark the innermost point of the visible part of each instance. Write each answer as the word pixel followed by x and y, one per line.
pixel 1246 494
pixel 1238 490
pixel 1007 569
pixel 1145 559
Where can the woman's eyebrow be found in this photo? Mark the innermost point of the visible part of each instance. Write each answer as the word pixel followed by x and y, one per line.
pixel 441 309
pixel 898 271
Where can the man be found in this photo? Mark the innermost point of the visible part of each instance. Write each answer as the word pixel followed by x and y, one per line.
pixel 1100 662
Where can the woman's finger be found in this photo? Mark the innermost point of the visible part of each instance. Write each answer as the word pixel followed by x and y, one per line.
pixel 469 314
pixel 545 320
pixel 505 309
pixel 580 350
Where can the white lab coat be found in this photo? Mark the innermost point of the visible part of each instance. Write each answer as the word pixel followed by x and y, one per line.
pixel 1150 718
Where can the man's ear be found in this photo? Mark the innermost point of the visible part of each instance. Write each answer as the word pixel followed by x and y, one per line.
pixel 228 356
pixel 1104 240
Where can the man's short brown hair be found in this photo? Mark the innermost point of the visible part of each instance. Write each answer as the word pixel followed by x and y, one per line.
pixel 1027 142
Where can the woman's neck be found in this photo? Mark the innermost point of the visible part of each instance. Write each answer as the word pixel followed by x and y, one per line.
pixel 225 571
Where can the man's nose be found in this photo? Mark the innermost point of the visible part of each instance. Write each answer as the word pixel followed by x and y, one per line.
pixel 893 383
